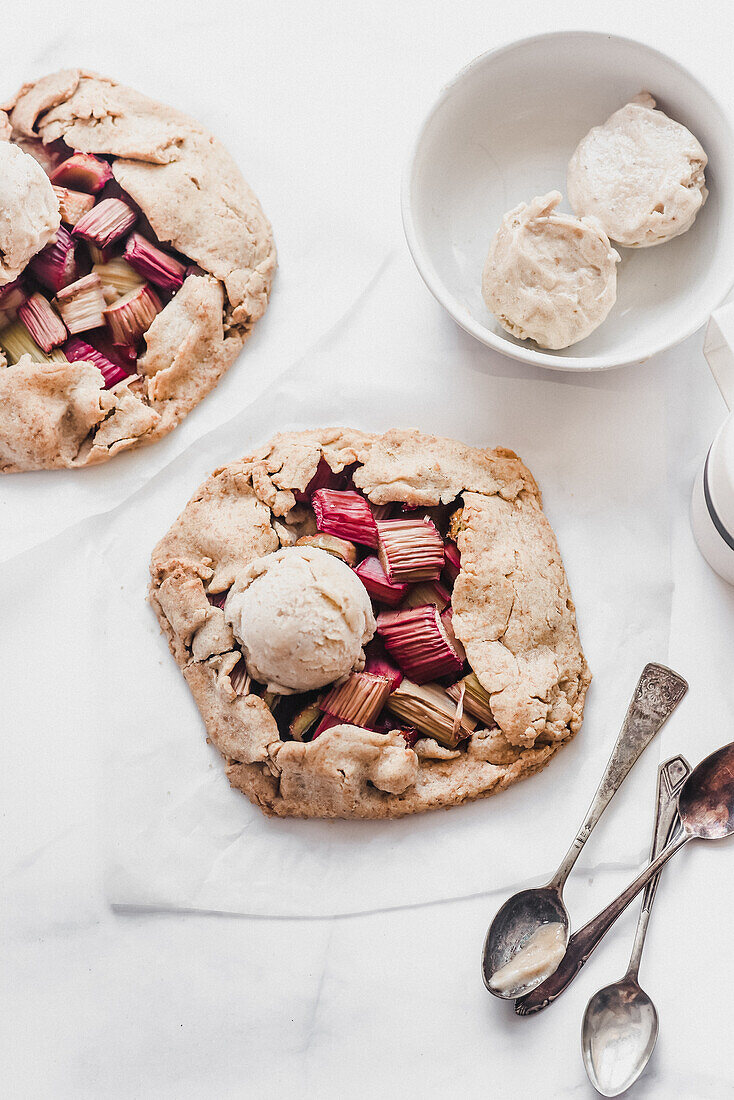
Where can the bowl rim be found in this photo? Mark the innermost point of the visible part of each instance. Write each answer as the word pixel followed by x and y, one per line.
pixel 460 313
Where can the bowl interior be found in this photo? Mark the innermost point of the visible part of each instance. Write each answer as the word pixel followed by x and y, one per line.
pixel 504 132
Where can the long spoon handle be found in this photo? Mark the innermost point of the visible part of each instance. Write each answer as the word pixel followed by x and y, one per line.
pixel 658 693
pixel 586 939
pixel 671 777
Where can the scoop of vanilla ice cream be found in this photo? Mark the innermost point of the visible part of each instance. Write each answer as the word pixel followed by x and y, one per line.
pixel 29 210
pixel 302 617
pixel 549 277
pixel 640 173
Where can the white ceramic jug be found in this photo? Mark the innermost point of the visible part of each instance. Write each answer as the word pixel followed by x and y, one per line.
pixel 712 506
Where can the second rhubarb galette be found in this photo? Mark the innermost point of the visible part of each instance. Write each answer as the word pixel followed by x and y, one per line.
pixel 134 262
pixel 372 625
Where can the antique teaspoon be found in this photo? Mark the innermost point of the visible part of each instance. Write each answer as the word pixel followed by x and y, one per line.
pixel 620 1025
pixel 706 811
pixel 583 942
pixel 523 916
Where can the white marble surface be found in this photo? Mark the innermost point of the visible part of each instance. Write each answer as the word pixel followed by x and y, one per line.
pixel 320 101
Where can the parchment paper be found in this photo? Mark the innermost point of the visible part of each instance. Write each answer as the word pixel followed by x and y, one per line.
pixel 176 836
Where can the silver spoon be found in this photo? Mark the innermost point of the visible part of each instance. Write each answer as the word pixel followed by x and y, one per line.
pixel 620 1025
pixel 706 811
pixel 580 947
pixel 656 696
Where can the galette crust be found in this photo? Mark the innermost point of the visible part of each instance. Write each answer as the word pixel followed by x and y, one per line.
pixel 512 611
pixel 195 199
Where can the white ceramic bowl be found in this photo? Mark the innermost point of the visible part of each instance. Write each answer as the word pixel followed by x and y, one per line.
pixel 503 131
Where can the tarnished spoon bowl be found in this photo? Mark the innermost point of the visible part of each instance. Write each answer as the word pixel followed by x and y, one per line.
pixel 618 1035
pixel 706 801
pixel 516 921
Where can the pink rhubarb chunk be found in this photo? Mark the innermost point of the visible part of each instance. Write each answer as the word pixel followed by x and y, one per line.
pixel 418 641
pixel 346 514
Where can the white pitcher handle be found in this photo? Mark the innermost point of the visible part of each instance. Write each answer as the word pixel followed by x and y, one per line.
pixel 719 350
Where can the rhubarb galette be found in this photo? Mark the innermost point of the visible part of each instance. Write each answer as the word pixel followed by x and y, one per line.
pixel 134 262
pixel 372 625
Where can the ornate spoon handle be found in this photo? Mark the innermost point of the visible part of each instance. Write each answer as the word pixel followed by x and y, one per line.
pixel 671 777
pixel 656 696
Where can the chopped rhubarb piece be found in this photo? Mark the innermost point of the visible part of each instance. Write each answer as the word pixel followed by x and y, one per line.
pixel 410 549
pixel 305 720
pixel 359 699
pixel 239 679
pixel 55 266
pixel 117 278
pixel 340 548
pixel 72 204
pixel 380 666
pixel 409 735
pixel 346 481
pixel 42 322
pixel 459 713
pixel 16 341
pixel 377 583
pixel 49 155
pixel 82 172
pixel 106 222
pixel 327 722
pixel 123 355
pixel 452 562
pixel 99 255
pixel 153 263
pixel 345 513
pixel 427 592
pixel 133 314
pixel 447 619
pixel 78 351
pixel 417 640
pixel 476 699
pixel 437 513
pixel 324 478
pixel 113 190
pixel 12 295
pixel 81 304
pixel 431 711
